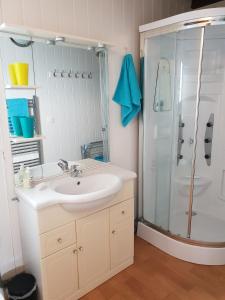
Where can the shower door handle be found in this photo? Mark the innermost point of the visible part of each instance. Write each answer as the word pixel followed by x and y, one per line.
pixel 208 139
pixel 180 140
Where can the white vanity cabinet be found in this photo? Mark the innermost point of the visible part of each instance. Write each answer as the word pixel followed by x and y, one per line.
pixel 93 247
pixel 72 253
pixel 121 235
pixel 60 274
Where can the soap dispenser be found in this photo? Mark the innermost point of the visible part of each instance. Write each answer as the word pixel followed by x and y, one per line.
pixel 27 179
pixel 20 176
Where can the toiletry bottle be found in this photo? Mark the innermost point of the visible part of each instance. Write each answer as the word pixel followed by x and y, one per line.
pixel 27 178
pixel 20 176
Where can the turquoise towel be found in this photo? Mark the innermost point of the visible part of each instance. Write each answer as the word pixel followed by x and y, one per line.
pixel 128 93
pixel 16 107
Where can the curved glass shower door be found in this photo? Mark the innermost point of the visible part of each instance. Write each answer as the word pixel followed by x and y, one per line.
pixel 158 128
pixel 171 85
pixel 208 221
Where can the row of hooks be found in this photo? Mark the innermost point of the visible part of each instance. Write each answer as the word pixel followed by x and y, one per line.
pixel 71 74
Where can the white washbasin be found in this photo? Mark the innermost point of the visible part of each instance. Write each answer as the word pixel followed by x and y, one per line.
pixel 86 192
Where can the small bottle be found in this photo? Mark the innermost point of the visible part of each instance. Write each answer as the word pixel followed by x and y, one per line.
pixel 20 176
pixel 27 179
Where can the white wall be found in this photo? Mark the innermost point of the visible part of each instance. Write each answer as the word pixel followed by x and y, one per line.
pixel 115 21
pixel 9 232
pixel 6 249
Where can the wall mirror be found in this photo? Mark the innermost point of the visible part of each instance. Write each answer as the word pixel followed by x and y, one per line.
pixel 60 90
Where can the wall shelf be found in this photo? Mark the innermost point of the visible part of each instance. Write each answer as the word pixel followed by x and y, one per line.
pixel 20 87
pixel 20 139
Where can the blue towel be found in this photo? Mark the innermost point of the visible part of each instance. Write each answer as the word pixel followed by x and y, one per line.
pixel 16 107
pixel 128 93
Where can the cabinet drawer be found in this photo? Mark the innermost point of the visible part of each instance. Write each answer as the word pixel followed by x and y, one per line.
pixel 121 211
pixel 57 239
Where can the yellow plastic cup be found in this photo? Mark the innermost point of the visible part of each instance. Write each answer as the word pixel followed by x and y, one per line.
pixel 12 74
pixel 21 70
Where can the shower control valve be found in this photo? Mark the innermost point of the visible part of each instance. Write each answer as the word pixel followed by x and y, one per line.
pixel 191 141
pixel 209 124
pixel 181 141
pixel 208 141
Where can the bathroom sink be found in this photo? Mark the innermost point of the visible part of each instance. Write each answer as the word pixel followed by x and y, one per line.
pixel 86 192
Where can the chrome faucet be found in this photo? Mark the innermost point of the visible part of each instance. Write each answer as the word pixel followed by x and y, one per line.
pixel 74 170
pixel 63 164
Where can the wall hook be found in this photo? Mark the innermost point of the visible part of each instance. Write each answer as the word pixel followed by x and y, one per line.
pixel 70 74
pixel 64 74
pixel 55 73
pixel 77 75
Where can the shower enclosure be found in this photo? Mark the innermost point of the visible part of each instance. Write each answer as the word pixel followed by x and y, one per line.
pixel 182 135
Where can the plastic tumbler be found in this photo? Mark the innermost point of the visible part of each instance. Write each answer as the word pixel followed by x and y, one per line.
pixel 27 124
pixel 21 70
pixel 12 74
pixel 17 130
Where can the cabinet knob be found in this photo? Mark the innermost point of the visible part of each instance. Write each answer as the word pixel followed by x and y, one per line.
pixel 59 240
pixel 75 251
pixel 81 248
pixel 123 212
pixel 113 231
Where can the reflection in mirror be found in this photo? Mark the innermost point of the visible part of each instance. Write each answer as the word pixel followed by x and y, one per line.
pixel 56 96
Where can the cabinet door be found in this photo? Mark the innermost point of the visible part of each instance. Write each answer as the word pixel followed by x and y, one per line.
pixel 121 242
pixel 93 247
pixel 60 275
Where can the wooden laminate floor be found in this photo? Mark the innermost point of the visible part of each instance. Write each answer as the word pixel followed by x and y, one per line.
pixel 158 276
